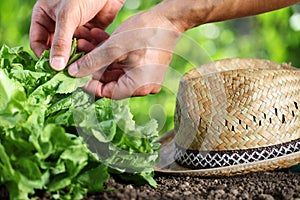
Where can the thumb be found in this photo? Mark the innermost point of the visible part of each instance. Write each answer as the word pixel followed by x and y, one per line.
pixel 62 42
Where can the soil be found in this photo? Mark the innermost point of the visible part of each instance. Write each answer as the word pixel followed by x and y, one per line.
pixel 281 185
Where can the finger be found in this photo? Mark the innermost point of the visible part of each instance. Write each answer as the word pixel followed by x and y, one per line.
pixel 96 35
pixel 152 88
pixel 99 35
pixel 120 44
pixel 41 29
pixel 39 40
pixel 94 87
pixel 95 60
pixel 100 89
pixel 107 14
pixel 82 32
pixel 111 73
pixel 124 88
pixel 84 45
pixel 114 48
pixel 89 39
pixel 118 89
pixel 62 40
pixel 139 81
pixel 109 76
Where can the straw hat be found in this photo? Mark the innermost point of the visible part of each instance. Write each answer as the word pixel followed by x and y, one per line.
pixel 234 116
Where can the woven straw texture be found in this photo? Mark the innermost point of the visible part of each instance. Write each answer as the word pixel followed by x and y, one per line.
pixel 236 104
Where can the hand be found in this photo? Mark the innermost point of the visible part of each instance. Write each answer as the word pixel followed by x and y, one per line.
pixel 54 24
pixel 133 61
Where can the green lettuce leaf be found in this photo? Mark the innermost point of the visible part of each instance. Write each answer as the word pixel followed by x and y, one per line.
pixel 56 138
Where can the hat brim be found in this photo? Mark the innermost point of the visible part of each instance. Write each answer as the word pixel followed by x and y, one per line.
pixel 168 165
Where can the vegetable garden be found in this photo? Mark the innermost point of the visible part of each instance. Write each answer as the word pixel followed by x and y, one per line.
pixel 47 123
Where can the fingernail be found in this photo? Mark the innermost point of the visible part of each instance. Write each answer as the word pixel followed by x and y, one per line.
pixel 73 69
pixel 58 63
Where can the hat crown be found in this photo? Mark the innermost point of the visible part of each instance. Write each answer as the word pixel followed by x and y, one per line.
pixel 235 104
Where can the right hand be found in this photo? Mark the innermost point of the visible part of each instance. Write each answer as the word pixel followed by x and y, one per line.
pixel 54 23
pixel 133 61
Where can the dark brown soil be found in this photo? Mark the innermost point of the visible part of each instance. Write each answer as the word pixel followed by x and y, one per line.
pixel 281 185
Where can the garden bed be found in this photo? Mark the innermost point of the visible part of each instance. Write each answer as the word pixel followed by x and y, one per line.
pixel 282 185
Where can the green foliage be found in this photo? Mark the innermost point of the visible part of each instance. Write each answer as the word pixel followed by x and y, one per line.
pixel 273 36
pixel 14 22
pixel 40 148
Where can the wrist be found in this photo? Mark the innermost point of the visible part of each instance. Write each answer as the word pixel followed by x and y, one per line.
pixel 113 6
pixel 190 13
pixel 182 15
pixel 153 18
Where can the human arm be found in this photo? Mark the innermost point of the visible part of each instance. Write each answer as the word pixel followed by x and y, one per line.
pixel 133 61
pixel 193 13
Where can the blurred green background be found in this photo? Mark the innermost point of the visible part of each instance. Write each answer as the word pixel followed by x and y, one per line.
pixel 274 35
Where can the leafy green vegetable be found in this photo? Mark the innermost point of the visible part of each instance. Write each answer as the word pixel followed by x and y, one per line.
pixel 57 138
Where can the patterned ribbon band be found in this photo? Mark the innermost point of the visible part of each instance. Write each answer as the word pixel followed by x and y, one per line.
pixel 212 159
